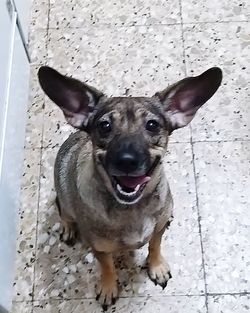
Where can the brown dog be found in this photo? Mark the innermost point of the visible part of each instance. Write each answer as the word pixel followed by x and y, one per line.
pixel 111 187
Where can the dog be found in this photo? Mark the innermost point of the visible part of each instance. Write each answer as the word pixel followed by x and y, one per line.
pixel 112 192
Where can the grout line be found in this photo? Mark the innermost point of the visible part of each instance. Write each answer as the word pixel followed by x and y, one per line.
pixel 38 200
pixel 208 141
pixel 46 62
pixel 199 223
pixel 182 38
pixel 115 25
pixel 214 22
pixel 145 25
pixel 22 301
pixel 194 171
pixel 244 293
pixel 211 294
pixel 40 169
pixel 47 32
pixel 219 141
pixel 122 297
pixel 31 148
pixel 49 7
pixel 192 148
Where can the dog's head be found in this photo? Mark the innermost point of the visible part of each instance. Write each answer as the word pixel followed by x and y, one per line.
pixel 129 134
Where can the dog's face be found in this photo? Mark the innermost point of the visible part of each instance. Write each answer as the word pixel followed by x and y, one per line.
pixel 129 138
pixel 129 134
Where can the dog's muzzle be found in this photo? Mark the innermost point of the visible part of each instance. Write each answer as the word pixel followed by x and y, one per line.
pixel 128 164
pixel 129 188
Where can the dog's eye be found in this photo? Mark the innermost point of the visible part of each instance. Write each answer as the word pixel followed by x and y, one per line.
pixel 104 127
pixel 152 126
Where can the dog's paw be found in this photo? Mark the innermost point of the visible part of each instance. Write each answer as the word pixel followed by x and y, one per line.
pixel 107 292
pixel 159 273
pixel 69 233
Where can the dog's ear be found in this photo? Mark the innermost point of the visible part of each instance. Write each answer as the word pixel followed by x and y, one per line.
pixel 183 99
pixel 75 98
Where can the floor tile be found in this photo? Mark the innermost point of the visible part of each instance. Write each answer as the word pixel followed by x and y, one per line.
pixel 226 115
pixel 143 304
pixel 66 13
pixel 56 129
pixel 39 14
pixel 34 123
pixel 38 45
pixel 105 46
pixel 229 304
pixel 223 191
pixel 134 61
pixel 66 272
pixel 26 238
pixel 21 307
pixel 215 11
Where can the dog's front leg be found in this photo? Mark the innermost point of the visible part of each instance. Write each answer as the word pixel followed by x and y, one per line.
pixel 107 290
pixel 158 268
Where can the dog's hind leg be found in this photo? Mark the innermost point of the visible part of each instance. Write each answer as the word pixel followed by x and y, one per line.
pixel 69 231
pixel 158 269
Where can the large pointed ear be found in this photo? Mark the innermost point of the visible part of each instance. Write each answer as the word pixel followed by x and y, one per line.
pixel 74 98
pixel 182 100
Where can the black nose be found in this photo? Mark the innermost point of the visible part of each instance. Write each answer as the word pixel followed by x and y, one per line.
pixel 126 162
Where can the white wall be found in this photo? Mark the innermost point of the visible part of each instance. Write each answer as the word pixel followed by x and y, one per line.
pixel 14 78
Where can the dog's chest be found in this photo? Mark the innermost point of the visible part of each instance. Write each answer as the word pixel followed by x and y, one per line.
pixel 140 234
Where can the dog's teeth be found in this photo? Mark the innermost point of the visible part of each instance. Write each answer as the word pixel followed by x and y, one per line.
pixel 119 188
pixel 137 188
pixel 128 194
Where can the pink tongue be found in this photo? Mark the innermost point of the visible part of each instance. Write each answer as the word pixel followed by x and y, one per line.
pixel 132 182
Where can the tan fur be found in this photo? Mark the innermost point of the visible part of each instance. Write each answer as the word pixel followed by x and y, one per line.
pixel 158 268
pixel 107 290
pixel 106 246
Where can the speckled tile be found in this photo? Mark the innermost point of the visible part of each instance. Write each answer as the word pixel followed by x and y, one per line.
pixel 24 266
pixel 21 307
pixel 66 13
pixel 34 122
pixel 226 116
pixel 215 11
pixel 223 191
pixel 38 45
pixel 229 304
pixel 72 272
pixel 134 61
pixel 39 14
pixel 60 270
pixel 56 129
pixel 131 305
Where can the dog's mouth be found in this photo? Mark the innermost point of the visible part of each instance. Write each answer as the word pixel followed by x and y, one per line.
pixel 129 189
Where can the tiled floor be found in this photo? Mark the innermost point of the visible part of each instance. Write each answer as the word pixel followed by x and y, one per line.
pixel 139 47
